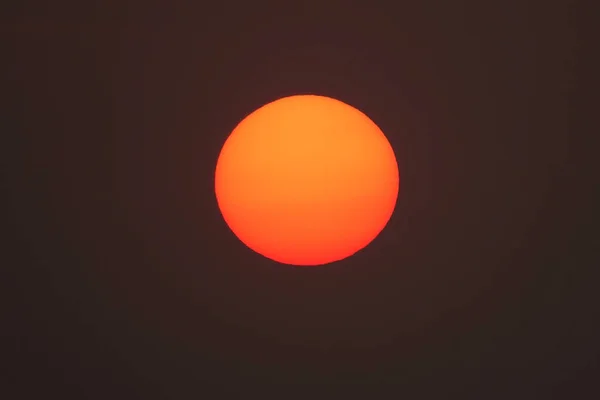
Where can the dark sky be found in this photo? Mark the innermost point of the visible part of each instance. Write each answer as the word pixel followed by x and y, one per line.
pixel 125 281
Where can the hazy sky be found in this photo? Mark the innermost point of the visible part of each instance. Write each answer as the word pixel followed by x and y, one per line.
pixel 127 280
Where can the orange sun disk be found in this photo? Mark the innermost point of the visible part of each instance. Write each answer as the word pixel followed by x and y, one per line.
pixel 306 180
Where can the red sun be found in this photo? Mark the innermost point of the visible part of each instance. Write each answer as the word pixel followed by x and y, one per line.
pixel 306 180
